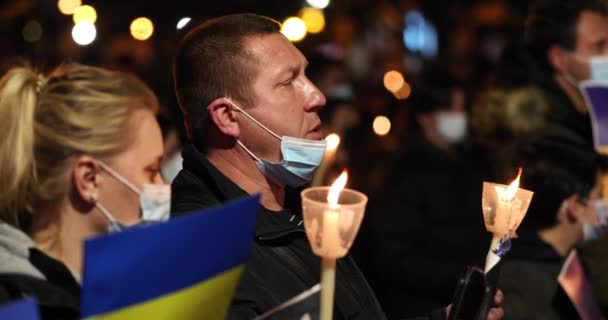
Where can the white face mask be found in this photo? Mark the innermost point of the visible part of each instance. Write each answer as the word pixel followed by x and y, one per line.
pixel 154 201
pixel 599 68
pixel 594 231
pixel 452 126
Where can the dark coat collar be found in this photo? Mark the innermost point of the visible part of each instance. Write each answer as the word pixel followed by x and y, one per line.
pixel 271 225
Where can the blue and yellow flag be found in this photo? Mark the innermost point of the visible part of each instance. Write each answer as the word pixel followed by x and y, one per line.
pixel 187 268
pixel 25 309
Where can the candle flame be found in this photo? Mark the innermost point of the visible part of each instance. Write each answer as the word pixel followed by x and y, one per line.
pixel 336 188
pixel 512 188
pixel 333 141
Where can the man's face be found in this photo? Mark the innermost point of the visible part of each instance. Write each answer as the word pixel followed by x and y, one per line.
pixel 591 40
pixel 283 99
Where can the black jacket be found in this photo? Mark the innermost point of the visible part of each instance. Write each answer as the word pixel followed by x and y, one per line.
pixel 281 264
pixel 528 279
pixel 29 272
pixel 519 67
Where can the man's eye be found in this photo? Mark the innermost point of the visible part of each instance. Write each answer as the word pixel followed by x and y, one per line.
pixel 287 82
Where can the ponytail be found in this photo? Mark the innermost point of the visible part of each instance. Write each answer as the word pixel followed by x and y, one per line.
pixel 18 99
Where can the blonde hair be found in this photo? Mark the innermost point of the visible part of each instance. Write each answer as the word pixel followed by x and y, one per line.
pixel 46 121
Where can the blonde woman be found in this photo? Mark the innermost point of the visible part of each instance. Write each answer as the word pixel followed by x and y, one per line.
pixel 78 150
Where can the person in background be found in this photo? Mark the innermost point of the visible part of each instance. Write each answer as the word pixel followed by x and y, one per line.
pixel 563 44
pixel 428 226
pixel 251 114
pixel 80 151
pixel 565 178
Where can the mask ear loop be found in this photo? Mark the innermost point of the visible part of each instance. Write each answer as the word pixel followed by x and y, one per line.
pixel 118 177
pixel 105 212
pixel 253 119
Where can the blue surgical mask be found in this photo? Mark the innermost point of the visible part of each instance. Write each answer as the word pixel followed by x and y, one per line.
pixel 594 231
pixel 301 157
pixel 599 68
pixel 154 200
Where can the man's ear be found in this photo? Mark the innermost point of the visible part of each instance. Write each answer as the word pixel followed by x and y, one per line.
pixel 223 115
pixel 573 209
pixel 85 177
pixel 558 58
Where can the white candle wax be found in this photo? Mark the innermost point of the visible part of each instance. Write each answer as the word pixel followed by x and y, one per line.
pixel 330 241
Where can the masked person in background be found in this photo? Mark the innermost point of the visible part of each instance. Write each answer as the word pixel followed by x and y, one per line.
pixel 252 121
pixel 564 43
pixel 429 225
pixel 79 157
pixel 565 178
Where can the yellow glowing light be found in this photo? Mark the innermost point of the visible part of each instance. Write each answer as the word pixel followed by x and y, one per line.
pixel 512 188
pixel 319 4
pixel 381 125
pixel 294 29
pixel 393 81
pixel 142 28
pixel 403 92
pixel 334 191
pixel 333 141
pixel 84 33
pixel 85 13
pixel 313 19
pixel 68 7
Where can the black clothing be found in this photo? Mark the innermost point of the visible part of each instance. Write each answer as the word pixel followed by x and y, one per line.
pixel 528 279
pixel 519 68
pixel 425 230
pixel 58 297
pixel 281 264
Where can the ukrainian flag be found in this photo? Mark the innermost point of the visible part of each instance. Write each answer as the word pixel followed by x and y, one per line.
pixel 25 309
pixel 187 268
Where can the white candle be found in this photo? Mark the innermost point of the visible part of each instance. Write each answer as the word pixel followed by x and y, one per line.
pixel 330 241
pixel 492 259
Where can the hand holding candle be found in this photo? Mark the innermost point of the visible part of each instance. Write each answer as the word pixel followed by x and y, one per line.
pixel 504 207
pixel 332 216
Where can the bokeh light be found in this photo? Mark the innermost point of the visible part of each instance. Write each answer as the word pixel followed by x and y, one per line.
pixel 68 7
pixel 319 4
pixel 313 19
pixel 142 28
pixel 381 125
pixel 32 31
pixel 84 33
pixel 183 22
pixel 403 92
pixel 85 13
pixel 294 29
pixel 333 141
pixel 393 81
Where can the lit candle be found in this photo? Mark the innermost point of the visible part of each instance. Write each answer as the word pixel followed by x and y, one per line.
pixel 504 221
pixel 331 232
pixel 331 244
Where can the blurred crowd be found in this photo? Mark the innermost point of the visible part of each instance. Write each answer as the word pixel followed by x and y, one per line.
pixel 488 87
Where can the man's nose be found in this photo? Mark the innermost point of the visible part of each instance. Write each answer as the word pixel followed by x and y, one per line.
pixel 316 99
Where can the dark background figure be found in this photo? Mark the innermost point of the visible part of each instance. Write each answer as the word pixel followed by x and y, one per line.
pixel 560 38
pixel 428 225
pixel 565 177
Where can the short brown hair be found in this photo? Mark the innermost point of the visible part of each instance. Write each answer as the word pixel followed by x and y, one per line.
pixel 212 62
